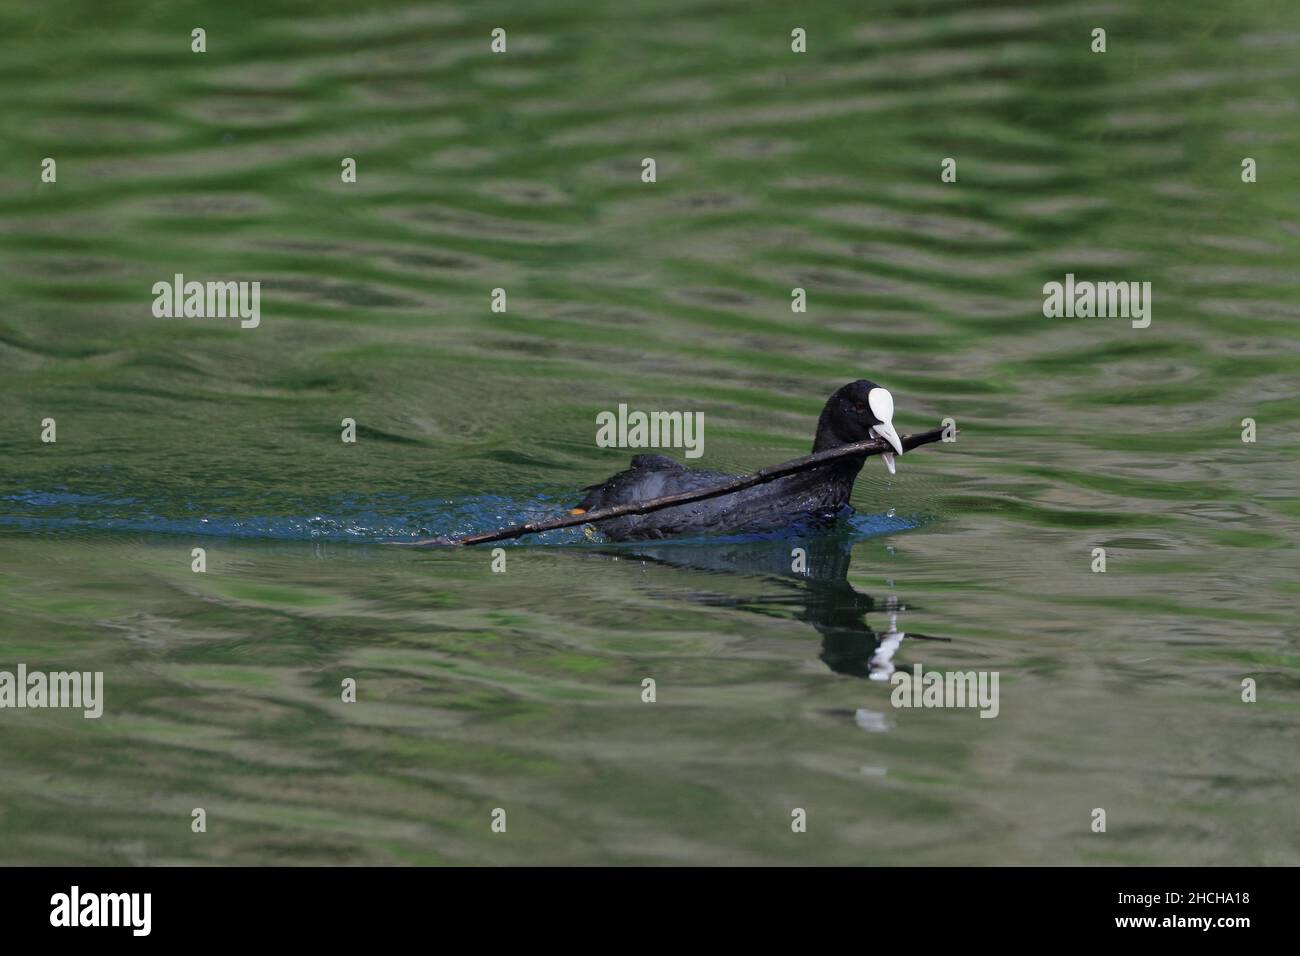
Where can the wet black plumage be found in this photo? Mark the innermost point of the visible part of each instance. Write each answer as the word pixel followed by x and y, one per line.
pixel 856 412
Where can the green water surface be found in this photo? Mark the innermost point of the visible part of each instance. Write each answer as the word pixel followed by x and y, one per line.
pixel 522 171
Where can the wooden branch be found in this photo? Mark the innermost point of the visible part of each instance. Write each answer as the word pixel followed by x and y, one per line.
pixel 865 448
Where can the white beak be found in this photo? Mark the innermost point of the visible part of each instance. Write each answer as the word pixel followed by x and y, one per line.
pixel 882 404
pixel 886 431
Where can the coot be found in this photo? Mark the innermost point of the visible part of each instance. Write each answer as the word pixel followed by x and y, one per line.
pixel 859 411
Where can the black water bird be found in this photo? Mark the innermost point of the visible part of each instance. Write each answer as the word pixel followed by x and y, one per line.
pixel 859 411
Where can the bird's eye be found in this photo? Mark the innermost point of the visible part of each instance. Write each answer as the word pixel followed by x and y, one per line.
pixel 859 407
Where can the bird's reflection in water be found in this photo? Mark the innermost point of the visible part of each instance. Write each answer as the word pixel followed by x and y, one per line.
pixel 817 588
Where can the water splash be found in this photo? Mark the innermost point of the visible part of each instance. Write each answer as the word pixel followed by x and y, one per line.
pixel 363 519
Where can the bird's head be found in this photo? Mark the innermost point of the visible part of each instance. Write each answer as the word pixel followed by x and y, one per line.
pixel 859 411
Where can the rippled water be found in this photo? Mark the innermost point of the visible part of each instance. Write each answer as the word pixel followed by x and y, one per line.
pixel 522 690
